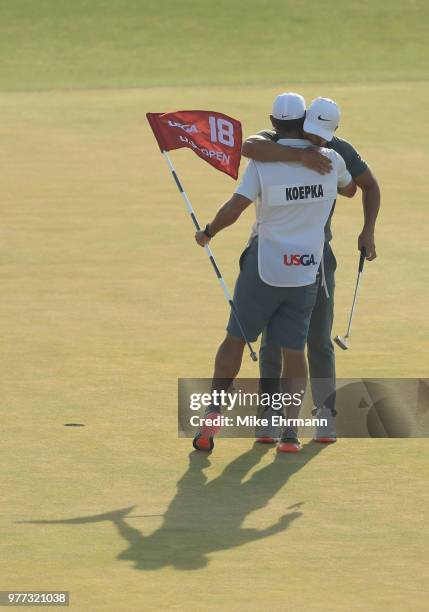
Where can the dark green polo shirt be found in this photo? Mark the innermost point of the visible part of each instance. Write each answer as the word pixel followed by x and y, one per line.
pixel 354 163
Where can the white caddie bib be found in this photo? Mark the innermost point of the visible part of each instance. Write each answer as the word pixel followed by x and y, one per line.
pixel 294 206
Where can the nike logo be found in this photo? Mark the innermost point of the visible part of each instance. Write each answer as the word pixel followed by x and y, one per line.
pixel 284 116
pixel 322 119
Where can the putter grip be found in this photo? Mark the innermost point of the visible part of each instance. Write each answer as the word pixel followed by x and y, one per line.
pixel 362 258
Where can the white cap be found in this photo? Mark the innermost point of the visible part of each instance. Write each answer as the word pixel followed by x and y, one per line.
pixel 288 106
pixel 322 118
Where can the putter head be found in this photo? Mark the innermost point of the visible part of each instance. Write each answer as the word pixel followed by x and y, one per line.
pixel 342 342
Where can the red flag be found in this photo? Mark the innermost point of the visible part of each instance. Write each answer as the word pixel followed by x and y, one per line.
pixel 213 136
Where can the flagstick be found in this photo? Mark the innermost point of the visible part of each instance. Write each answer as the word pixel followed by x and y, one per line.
pixel 210 254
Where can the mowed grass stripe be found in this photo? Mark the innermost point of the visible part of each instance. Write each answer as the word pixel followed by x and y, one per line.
pixel 55 44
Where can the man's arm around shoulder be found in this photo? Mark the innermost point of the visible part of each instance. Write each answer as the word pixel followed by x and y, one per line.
pixel 261 147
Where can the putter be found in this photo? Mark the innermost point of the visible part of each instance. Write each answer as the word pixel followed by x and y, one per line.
pixel 342 340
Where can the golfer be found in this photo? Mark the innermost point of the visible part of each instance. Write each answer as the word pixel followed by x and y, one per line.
pixel 266 147
pixel 277 288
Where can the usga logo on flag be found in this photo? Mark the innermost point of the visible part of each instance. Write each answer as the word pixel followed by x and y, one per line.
pixel 299 260
pixel 190 129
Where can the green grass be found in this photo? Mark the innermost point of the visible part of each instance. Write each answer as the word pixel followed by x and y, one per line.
pixel 52 44
pixel 106 301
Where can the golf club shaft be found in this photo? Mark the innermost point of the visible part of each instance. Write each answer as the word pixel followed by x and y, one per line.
pixel 210 255
pixel 360 270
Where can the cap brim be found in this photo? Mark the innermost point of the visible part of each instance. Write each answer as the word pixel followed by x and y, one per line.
pixel 315 128
pixel 289 117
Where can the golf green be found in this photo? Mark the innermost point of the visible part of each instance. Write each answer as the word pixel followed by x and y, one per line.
pixel 106 301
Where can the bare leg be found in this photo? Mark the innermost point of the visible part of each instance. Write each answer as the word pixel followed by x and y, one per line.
pixel 228 362
pixel 227 366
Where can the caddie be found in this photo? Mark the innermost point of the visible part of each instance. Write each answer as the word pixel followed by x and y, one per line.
pixel 277 285
pixel 319 127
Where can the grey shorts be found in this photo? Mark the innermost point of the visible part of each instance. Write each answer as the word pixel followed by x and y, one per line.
pixel 284 311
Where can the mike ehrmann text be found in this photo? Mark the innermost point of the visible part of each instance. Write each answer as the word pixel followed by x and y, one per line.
pixel 253 421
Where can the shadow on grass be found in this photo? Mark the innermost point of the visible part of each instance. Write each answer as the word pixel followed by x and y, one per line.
pixel 203 516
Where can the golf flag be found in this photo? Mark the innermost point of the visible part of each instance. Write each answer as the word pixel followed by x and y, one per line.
pixel 217 139
pixel 214 137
